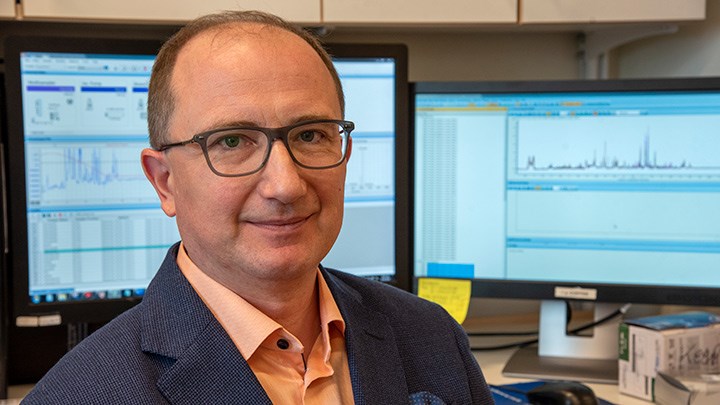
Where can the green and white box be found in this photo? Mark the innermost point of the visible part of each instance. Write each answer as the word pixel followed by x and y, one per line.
pixel 684 343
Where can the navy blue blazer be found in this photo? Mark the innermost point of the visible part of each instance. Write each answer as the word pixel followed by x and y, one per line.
pixel 171 349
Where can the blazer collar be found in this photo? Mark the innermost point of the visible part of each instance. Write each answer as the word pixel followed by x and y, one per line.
pixel 376 371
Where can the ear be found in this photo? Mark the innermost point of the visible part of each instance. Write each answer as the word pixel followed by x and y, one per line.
pixel 157 170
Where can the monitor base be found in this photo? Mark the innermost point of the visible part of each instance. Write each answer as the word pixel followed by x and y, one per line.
pixel 526 363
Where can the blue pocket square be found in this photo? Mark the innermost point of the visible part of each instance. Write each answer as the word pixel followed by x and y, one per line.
pixel 424 398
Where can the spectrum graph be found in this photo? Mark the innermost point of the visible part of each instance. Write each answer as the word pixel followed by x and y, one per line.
pixel 646 159
pixel 618 145
pixel 70 174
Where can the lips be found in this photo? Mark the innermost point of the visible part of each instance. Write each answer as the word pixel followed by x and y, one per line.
pixel 280 223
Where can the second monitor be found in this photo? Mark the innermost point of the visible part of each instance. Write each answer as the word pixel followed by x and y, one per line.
pixel 598 191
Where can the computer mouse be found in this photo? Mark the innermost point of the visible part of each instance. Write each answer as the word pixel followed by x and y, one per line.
pixel 562 393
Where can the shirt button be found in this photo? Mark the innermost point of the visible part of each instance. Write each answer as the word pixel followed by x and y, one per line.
pixel 283 344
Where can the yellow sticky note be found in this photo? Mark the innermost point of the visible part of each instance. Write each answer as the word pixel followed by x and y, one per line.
pixel 453 295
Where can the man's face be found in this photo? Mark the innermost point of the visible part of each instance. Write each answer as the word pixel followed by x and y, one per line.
pixel 278 223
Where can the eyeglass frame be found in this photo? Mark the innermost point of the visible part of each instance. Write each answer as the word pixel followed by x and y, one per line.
pixel 272 134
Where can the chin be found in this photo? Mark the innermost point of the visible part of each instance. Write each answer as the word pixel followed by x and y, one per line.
pixel 291 264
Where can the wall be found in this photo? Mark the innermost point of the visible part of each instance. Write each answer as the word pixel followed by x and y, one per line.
pixel 450 54
pixel 441 55
pixel 693 51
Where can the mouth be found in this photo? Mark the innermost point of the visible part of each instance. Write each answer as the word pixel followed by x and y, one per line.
pixel 280 224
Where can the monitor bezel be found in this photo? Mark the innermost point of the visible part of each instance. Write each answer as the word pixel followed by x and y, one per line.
pixel 95 311
pixel 403 165
pixel 606 293
pixel 100 311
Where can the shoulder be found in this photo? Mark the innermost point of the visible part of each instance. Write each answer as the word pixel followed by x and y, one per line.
pixel 108 363
pixel 405 312
pixel 384 298
pixel 431 346
pixel 109 366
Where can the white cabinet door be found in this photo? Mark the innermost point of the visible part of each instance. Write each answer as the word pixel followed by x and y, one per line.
pixel 301 11
pixel 7 9
pixel 590 11
pixel 419 11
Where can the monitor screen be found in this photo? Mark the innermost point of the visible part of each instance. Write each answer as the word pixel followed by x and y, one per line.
pixel 87 230
pixel 604 191
pixel 373 240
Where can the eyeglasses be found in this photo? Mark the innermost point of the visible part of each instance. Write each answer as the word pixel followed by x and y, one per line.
pixel 241 151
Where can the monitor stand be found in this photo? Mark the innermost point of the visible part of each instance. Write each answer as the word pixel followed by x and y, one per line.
pixel 559 356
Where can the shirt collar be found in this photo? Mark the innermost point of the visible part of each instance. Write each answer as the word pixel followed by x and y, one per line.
pixel 247 326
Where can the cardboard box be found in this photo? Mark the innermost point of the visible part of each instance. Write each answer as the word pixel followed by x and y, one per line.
pixel 696 389
pixel 681 344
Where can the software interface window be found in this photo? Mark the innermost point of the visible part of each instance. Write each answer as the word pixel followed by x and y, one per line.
pixel 369 221
pixel 95 227
pixel 602 187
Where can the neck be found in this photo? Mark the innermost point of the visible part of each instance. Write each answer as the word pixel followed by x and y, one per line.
pixel 294 305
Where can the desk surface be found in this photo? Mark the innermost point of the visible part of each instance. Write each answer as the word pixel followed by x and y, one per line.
pixel 492 363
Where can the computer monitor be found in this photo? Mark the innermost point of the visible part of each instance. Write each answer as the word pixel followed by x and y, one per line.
pixel 85 225
pixel 374 240
pixel 598 191
pixel 87 232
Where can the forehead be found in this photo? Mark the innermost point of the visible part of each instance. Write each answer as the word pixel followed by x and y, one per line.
pixel 241 65
pixel 251 48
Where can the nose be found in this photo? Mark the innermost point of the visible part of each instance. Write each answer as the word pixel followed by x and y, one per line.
pixel 280 178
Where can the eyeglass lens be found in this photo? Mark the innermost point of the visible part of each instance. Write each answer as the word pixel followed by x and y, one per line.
pixel 239 151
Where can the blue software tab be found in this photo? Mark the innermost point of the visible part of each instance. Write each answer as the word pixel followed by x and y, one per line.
pixel 452 270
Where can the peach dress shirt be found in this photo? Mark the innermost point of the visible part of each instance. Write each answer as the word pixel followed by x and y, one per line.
pixel 274 354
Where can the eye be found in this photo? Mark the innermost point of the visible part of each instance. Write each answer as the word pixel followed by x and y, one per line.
pixel 234 139
pixel 230 141
pixel 308 135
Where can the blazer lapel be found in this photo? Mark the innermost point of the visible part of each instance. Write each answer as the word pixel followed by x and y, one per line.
pixel 202 364
pixel 376 370
pixel 212 371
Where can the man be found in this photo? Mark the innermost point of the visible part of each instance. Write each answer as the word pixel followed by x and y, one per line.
pixel 249 154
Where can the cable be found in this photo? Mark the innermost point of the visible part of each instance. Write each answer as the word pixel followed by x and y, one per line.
pixel 620 311
pixel 531 333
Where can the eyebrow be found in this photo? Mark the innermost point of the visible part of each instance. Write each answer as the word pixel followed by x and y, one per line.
pixel 247 123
